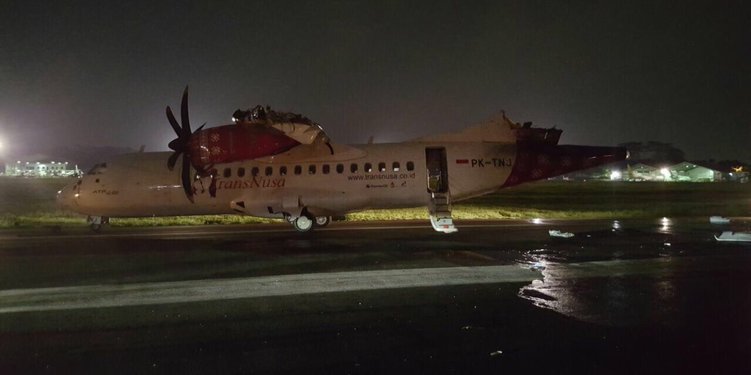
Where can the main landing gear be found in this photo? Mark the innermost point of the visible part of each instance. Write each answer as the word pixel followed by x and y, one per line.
pixel 306 223
pixel 97 222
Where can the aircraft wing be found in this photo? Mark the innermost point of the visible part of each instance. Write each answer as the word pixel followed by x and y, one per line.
pixel 315 152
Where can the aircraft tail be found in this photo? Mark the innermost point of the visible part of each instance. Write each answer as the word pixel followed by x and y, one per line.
pixel 536 161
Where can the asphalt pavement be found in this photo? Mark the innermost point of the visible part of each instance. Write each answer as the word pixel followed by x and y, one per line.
pixel 389 297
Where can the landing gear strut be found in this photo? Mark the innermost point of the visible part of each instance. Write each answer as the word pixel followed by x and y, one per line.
pixel 97 222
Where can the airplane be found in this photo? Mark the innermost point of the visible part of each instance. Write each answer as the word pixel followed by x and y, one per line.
pixel 282 165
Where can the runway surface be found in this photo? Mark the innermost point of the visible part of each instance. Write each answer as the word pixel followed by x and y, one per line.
pixel 135 294
pixel 620 296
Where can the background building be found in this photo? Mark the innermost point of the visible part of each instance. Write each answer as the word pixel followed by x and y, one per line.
pixel 684 171
pixel 687 171
pixel 41 169
pixel 655 151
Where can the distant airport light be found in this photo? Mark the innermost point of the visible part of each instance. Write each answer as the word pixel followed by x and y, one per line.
pixel 665 173
pixel 537 220
pixel 615 175
pixel 665 225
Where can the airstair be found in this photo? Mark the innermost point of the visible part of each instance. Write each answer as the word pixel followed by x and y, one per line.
pixel 440 212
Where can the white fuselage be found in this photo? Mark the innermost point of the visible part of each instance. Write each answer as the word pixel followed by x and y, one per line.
pixel 353 178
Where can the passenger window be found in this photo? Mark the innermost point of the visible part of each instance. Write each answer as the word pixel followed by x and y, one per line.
pixel 381 167
pixel 269 171
pixel 367 168
pixel 312 169
pixel 339 168
pixel 254 171
pixel 353 167
pixel 240 172
pixel 227 172
pixel 395 166
pixel 410 166
pixel 298 169
pixel 283 171
pixel 325 169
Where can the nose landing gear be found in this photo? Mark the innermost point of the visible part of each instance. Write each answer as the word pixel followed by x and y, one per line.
pixel 97 222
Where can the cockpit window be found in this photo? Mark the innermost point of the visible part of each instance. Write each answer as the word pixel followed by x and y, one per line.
pixel 97 169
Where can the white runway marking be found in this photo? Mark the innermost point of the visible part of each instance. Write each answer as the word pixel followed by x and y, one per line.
pixel 183 232
pixel 99 296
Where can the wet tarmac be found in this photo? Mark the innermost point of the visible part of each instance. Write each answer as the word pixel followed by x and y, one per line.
pixel 618 297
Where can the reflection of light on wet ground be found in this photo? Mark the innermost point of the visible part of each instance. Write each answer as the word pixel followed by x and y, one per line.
pixel 666 226
pixel 616 225
pixel 606 292
pixel 540 258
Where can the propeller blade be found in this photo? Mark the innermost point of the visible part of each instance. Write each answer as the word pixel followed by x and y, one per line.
pixel 173 122
pixel 330 148
pixel 199 128
pixel 184 114
pixel 172 160
pixel 187 186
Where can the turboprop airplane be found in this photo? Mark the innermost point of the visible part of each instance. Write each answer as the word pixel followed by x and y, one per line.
pixel 282 165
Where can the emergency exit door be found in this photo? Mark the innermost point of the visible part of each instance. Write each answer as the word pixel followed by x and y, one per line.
pixel 437 173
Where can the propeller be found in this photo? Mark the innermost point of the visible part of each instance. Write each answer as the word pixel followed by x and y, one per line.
pixel 180 144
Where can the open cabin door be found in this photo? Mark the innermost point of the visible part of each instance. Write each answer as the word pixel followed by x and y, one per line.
pixel 437 174
pixel 438 188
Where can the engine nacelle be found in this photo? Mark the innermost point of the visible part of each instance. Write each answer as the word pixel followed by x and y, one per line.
pixel 231 143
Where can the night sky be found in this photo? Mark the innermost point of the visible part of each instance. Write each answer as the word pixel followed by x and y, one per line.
pixel 100 73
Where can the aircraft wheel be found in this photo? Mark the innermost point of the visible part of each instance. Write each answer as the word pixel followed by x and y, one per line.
pixel 96 223
pixel 322 221
pixel 303 224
